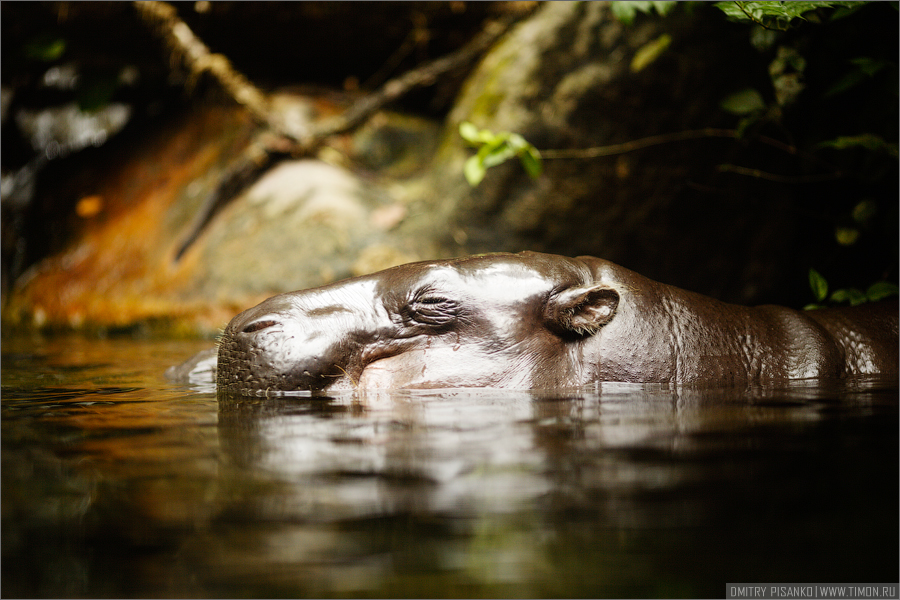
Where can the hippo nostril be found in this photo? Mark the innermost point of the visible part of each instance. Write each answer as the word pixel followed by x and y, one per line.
pixel 258 325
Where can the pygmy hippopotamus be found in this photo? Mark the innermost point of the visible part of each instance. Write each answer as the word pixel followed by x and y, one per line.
pixel 534 320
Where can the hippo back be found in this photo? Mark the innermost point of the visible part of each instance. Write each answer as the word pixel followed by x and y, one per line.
pixel 867 335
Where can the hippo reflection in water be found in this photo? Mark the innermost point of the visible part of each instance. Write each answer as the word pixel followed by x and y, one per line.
pixel 533 320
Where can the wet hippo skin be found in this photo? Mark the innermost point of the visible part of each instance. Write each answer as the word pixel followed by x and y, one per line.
pixel 533 320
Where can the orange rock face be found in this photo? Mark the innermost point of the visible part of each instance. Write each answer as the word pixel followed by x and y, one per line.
pixel 303 223
pixel 120 267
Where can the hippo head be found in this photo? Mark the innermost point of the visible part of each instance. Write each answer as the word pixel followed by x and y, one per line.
pixel 495 320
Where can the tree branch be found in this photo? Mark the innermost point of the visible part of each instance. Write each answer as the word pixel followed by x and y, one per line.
pixel 789 179
pixel 693 134
pixel 303 141
pixel 663 138
pixel 422 76
pixel 632 145
pixel 198 58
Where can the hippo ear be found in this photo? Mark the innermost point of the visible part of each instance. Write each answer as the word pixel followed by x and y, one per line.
pixel 582 309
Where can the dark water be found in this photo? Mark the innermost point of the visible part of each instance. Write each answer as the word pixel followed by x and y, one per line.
pixel 117 483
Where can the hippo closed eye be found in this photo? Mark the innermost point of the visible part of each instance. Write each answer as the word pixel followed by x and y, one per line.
pixel 533 320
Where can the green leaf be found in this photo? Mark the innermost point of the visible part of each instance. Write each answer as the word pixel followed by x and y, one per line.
pixel 846 236
pixel 853 295
pixel 876 291
pixel 625 10
pixel 761 38
pixel 881 290
pixel 743 102
pixel 531 162
pixel 468 132
pixel 848 81
pixel 649 52
pixel 474 170
pixel 845 9
pixel 774 15
pixel 818 285
pixel 864 211
pixel 493 155
pixel 664 8
pixel 476 137
pixel 863 69
pixel 869 141
pixel 516 142
pixel 869 66
pixel 485 136
pixel 495 149
pixel 45 48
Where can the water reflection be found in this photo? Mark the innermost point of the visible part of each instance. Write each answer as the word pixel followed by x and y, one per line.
pixel 116 483
pixel 626 472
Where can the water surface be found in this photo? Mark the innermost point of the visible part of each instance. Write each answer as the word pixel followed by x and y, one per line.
pixel 116 482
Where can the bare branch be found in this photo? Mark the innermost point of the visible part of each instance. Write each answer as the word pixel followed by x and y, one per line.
pixel 632 145
pixel 422 76
pixel 693 134
pixel 198 58
pixel 789 179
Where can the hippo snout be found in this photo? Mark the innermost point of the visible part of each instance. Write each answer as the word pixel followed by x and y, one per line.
pixel 283 344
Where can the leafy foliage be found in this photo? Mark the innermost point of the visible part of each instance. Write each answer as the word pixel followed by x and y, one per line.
pixel 877 291
pixel 626 11
pixel 818 285
pixel 649 52
pixel 497 148
pixel 862 68
pixel 867 141
pixel 45 48
pixel 776 15
pixel 768 22
pixel 744 102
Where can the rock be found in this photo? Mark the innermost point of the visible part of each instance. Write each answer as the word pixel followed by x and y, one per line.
pixel 304 223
